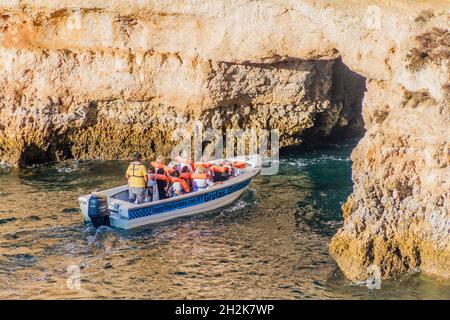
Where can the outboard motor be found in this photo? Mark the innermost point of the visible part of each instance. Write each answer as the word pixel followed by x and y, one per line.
pixel 98 210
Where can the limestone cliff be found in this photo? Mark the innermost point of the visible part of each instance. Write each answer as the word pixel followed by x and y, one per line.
pixel 100 79
pixel 97 79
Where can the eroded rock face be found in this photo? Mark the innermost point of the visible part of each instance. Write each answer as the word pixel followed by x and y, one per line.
pixel 60 104
pixel 99 79
pixel 398 217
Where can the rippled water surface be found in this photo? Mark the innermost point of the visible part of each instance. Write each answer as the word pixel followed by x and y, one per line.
pixel 271 243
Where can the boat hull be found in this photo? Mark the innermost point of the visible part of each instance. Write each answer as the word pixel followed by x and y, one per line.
pixel 161 217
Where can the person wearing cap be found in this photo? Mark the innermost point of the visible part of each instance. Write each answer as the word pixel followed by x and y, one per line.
pixel 137 179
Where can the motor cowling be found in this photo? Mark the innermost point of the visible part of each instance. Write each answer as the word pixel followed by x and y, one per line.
pixel 98 210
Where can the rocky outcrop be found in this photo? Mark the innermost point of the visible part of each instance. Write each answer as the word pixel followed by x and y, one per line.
pixel 99 79
pixel 398 217
pixel 74 104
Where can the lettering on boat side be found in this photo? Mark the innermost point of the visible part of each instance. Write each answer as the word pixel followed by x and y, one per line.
pixel 202 198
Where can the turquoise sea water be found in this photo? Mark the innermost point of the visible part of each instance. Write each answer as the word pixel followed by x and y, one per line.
pixel 271 243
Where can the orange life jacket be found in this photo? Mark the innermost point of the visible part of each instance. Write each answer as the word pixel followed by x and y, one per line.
pixel 182 182
pixel 185 175
pixel 239 164
pixel 157 165
pixel 203 164
pixel 219 169
pixel 199 176
pixel 157 176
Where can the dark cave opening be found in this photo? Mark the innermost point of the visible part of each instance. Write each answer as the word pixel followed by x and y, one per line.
pixel 346 96
pixel 349 88
pixel 57 150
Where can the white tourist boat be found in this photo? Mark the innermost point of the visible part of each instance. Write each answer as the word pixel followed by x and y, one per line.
pixel 124 214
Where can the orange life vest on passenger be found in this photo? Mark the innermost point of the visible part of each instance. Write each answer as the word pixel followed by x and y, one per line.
pixel 182 182
pixel 218 169
pixel 199 176
pixel 158 165
pixel 239 164
pixel 199 181
pixel 157 176
pixel 185 175
pixel 203 164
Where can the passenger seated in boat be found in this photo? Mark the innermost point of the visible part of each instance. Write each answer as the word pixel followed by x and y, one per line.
pixel 151 184
pixel 179 186
pixel 137 179
pixel 230 168
pixel 161 184
pixel 220 173
pixel 200 179
pixel 186 175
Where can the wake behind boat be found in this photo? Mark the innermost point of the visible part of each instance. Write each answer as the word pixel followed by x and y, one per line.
pixel 124 214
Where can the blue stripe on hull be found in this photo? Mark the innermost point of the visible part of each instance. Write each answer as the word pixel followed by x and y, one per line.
pixel 192 201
